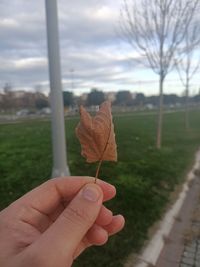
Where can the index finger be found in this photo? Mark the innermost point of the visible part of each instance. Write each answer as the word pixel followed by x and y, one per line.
pixel 46 197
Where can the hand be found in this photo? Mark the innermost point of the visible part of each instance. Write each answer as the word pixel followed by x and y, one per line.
pixel 51 225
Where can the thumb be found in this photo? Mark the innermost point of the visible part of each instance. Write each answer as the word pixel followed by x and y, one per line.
pixel 64 235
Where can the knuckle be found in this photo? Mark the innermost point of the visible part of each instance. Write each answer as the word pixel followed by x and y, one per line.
pixel 77 215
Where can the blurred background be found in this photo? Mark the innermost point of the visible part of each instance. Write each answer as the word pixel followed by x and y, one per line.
pixel 144 57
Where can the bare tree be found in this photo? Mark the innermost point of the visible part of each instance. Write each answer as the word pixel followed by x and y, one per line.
pixel 8 99
pixel 188 62
pixel 156 29
pixel 7 88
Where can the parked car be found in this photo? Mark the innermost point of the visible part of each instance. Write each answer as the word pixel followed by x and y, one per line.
pixel 22 112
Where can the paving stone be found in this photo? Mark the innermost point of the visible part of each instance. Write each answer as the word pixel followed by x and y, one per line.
pixel 191 255
pixel 189 261
pixel 185 265
pixel 196 222
pixel 188 254
pixel 191 249
pixel 198 256
pixel 192 245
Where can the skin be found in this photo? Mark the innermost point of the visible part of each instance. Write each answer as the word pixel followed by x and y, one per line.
pixel 52 224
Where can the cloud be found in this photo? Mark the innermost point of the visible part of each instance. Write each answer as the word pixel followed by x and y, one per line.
pixel 23 64
pixel 89 45
pixel 87 37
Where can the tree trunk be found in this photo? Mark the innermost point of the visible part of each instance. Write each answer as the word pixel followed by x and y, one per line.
pixel 187 125
pixel 160 114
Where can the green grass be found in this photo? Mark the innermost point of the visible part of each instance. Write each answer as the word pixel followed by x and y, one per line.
pixel 144 177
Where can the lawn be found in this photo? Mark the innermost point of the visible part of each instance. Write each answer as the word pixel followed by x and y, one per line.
pixel 144 177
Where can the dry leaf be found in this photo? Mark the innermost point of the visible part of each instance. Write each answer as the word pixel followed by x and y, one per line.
pixel 96 135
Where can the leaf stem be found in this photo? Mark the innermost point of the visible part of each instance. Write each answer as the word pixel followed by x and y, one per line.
pixel 97 171
pixel 101 158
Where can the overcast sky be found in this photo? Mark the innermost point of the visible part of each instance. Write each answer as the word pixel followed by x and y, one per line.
pixel 91 49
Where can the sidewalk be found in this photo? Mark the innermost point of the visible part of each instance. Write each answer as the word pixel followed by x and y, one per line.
pixel 176 241
pixel 182 246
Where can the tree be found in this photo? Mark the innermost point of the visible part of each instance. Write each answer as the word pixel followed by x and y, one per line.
pixel 171 99
pixel 7 88
pixel 41 103
pixel 95 97
pixel 68 98
pixel 156 29
pixel 123 98
pixel 38 88
pixel 140 99
pixel 153 100
pixel 196 99
pixel 185 62
pixel 8 99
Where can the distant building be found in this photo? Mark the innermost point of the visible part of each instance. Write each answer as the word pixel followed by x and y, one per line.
pixel 18 94
pixel 21 100
pixel 110 96
pixel 1 97
pixel 84 96
pixel 134 95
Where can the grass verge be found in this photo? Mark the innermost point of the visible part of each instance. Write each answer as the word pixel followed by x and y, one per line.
pixel 144 176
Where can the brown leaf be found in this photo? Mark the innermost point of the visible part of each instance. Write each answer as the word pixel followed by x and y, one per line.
pixel 96 135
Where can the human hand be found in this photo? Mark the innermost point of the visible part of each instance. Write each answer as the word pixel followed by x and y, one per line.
pixel 51 225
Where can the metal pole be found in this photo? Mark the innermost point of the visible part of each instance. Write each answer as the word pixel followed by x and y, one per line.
pixel 60 167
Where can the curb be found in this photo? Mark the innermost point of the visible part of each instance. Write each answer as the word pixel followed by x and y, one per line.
pixel 155 245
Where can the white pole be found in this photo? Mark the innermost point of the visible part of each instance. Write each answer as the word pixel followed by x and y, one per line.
pixel 60 167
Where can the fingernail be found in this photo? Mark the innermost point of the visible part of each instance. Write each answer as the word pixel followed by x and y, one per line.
pixel 91 193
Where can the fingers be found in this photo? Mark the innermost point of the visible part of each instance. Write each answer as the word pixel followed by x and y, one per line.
pixel 116 225
pixel 63 237
pixel 98 235
pixel 49 195
pixel 105 216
